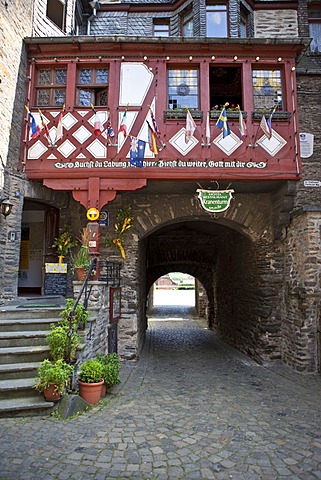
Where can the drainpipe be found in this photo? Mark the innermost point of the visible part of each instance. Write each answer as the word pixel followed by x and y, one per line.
pixel 95 6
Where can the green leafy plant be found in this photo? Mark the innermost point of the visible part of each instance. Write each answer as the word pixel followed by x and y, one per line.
pixel 58 341
pixel 124 222
pixel 80 316
pixel 65 242
pixel 91 371
pixel 57 373
pixel 111 367
pixel 82 256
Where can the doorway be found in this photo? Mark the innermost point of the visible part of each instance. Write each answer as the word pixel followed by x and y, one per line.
pixel 39 227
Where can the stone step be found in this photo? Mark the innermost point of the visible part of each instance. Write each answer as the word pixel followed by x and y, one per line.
pixel 17 388
pixel 17 313
pixel 23 354
pixel 18 370
pixel 22 339
pixel 25 406
pixel 23 324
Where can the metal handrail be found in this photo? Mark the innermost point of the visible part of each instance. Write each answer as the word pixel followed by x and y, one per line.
pixel 83 289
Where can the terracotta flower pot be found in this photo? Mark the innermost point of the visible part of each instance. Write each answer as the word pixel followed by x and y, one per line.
pixel 50 394
pixel 90 392
pixel 103 390
pixel 81 273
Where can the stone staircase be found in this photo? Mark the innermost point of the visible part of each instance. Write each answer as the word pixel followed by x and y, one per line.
pixel 23 345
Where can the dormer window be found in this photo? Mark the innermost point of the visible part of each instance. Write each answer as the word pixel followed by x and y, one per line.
pixel 216 20
pixel 56 12
pixel 315 30
pixel 161 28
pixel 187 23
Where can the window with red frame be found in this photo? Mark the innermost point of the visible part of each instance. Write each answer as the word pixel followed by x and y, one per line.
pixel 51 87
pixel 92 86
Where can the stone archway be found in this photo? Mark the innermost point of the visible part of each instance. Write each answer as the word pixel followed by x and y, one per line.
pixel 233 255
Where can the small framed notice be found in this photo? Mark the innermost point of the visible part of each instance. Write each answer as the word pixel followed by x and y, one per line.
pixel 306 144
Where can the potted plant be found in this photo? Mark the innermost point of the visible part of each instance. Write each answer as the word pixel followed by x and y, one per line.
pixel 90 381
pixel 63 243
pixel 81 260
pixel 52 378
pixel 111 367
pixel 80 315
pixel 58 341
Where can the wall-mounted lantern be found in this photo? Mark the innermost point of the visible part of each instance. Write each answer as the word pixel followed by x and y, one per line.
pixel 6 206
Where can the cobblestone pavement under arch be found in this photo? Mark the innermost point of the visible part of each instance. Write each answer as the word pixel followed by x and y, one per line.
pixel 190 408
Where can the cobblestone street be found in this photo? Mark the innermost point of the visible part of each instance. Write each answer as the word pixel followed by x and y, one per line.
pixel 190 408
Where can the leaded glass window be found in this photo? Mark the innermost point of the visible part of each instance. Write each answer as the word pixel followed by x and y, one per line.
pixel 51 87
pixel 183 88
pixel 96 90
pixel 267 89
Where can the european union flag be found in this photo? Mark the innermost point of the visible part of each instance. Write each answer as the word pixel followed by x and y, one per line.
pixel 223 124
pixel 137 152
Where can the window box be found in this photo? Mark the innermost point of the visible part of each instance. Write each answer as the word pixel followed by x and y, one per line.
pixel 231 114
pixel 180 114
pixel 280 116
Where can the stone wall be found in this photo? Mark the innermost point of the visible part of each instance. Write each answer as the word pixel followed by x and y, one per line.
pixel 275 23
pixel 15 23
pixel 302 305
pixel 302 301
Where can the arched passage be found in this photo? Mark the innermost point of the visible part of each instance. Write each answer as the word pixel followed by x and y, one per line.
pixel 230 266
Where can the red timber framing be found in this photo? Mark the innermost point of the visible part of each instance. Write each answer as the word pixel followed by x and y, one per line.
pixel 95 168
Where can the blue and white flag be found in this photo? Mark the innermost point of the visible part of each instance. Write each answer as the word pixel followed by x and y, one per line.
pixel 137 152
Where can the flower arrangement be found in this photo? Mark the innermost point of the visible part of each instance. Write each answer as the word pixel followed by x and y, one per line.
pixel 64 242
pixel 233 107
pixel 124 222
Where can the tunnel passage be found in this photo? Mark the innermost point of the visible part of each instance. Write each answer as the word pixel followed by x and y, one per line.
pixel 234 271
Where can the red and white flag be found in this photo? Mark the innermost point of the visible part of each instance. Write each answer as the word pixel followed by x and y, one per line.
pixel 123 124
pixel 60 128
pixel 98 127
pixel 190 127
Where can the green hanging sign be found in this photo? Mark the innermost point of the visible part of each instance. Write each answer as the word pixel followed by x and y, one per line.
pixel 215 200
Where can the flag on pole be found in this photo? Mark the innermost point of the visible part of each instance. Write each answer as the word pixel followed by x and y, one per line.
pixel 269 120
pixel 242 125
pixel 156 129
pixel 35 129
pixel 208 129
pixel 265 127
pixel 190 127
pixel 60 127
pixel 110 130
pixel 137 152
pixel 152 139
pixel 98 127
pixel 45 127
pixel 222 123
pixel 123 124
